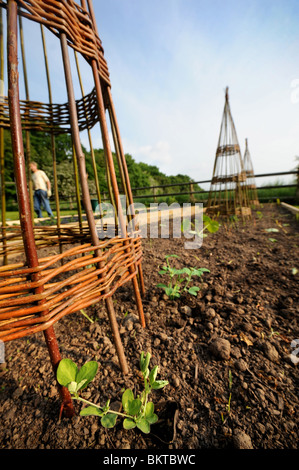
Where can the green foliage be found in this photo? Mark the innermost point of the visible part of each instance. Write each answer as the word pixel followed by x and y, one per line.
pixel 211 225
pixel 137 411
pixel 73 378
pixel 141 174
pixel 179 279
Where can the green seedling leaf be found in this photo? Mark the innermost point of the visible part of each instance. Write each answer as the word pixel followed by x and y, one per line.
pixel 106 407
pixel 149 414
pixel 193 290
pixel 273 240
pixel 134 406
pixel 143 425
pixel 109 420
pixel 171 256
pixel 153 374
pixel 152 419
pixel 172 293
pixel 159 384
pixel 129 424
pixel 164 271
pixel 182 271
pixel 271 230
pixel 84 313
pixel 294 271
pixel 91 411
pixel 199 272
pixel 144 361
pixel 86 374
pixel 80 385
pixel 66 372
pixel 149 409
pixel 212 226
pixel 163 286
pixel 127 397
pixel 72 387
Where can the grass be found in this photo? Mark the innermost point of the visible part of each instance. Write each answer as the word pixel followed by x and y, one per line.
pixel 14 215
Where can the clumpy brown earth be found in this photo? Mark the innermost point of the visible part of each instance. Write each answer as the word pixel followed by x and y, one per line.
pixel 226 353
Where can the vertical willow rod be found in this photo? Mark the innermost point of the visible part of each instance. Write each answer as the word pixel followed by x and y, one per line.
pixel 108 154
pixel 2 163
pixel 53 147
pixel 94 166
pixel 123 163
pixel 21 184
pixel 85 192
pixel 77 186
pixel 27 133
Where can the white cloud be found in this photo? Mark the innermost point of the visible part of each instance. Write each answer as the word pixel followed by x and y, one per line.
pixel 154 154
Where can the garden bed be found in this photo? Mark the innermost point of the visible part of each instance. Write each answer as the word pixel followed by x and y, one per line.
pixel 226 352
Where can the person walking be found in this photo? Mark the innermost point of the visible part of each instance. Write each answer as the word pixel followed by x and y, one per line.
pixel 42 190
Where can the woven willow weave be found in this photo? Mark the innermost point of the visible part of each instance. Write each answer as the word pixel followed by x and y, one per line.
pixel 228 192
pixel 76 284
pixel 36 291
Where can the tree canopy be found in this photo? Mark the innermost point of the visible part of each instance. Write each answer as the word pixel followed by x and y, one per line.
pixel 141 174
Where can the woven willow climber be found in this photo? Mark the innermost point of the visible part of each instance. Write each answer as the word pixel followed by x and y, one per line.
pixel 38 292
pixel 228 193
pixel 251 186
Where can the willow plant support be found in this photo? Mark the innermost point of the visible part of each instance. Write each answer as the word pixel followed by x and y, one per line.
pixel 33 296
pixel 2 163
pixel 228 192
pixel 53 146
pixel 250 183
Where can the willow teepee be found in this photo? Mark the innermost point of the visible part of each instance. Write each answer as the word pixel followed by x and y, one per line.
pixel 38 291
pixel 228 194
pixel 250 183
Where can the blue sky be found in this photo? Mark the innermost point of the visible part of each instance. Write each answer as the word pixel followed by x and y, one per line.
pixel 169 63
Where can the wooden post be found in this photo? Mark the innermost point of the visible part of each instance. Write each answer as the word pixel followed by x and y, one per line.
pixel 21 184
pixel 85 192
pixel 53 147
pixel 2 162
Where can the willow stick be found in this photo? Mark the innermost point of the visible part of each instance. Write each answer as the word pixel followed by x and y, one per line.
pixel 77 187
pixel 53 146
pixel 94 166
pixel 86 196
pixel 27 132
pixel 109 157
pixel 21 183
pixel 2 162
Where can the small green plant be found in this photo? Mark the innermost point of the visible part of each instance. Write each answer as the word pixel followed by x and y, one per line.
pixel 230 384
pixel 137 412
pixel 259 214
pixel 179 279
pixel 273 333
pixel 211 225
pixel 86 316
pixel 228 404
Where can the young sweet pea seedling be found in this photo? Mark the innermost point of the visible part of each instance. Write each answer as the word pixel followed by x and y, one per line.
pixel 137 412
pixel 179 279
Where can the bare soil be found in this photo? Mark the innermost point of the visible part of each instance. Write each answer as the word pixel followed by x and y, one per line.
pixel 226 352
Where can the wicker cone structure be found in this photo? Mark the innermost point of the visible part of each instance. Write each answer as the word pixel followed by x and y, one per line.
pixel 36 293
pixel 228 193
pixel 250 183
